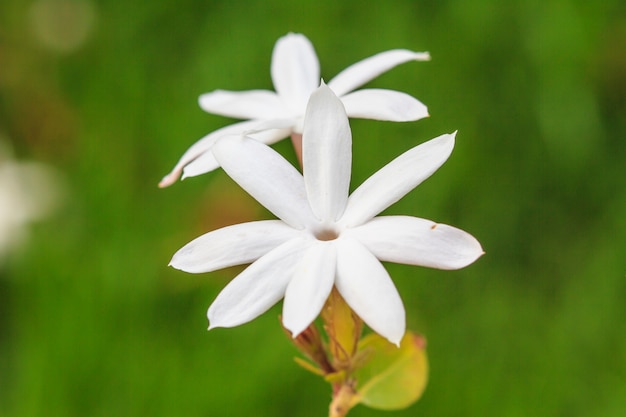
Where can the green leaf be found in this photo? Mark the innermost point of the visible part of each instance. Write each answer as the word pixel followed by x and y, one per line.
pixel 343 328
pixel 392 377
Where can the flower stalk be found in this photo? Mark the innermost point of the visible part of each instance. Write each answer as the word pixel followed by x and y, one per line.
pixel 343 400
pixel 296 141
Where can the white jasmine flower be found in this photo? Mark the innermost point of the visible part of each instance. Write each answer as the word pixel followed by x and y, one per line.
pixel 323 237
pixel 29 191
pixel 295 73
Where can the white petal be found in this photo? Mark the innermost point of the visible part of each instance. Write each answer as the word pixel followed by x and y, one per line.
pixel 258 287
pixel 363 71
pixel 367 288
pixel 295 69
pixel 271 125
pixel 327 154
pixel 414 241
pixel 253 104
pixel 206 162
pixel 232 245
pixel 397 178
pixel 201 147
pixel 310 286
pixel 381 104
pixel 272 135
pixel 267 177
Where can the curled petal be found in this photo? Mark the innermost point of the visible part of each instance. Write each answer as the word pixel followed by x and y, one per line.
pixel 367 288
pixel 232 245
pixel 397 178
pixel 310 286
pixel 206 162
pixel 295 69
pixel 327 154
pixel 414 241
pixel 201 165
pixel 266 130
pixel 379 104
pixel 271 136
pixel 363 71
pixel 267 177
pixel 253 104
pixel 258 287
pixel 201 147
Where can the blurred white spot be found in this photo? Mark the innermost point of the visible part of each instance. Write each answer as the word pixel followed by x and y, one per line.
pixel 29 191
pixel 62 25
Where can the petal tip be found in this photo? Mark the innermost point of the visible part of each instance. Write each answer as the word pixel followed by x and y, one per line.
pixel 212 324
pixel 323 89
pixel 295 334
pixel 204 100
pixel 410 55
pixel 478 252
pixel 169 179
pixel 449 139
pixel 211 327
pixel 421 114
pixel 395 340
pixel 293 329
pixel 293 36
pixel 421 56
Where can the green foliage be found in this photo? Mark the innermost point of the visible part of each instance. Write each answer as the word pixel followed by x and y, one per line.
pixel 94 323
pixel 393 377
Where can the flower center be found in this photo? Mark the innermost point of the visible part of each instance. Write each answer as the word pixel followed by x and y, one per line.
pixel 326 234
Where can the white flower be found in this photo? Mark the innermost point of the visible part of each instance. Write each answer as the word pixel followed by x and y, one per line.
pixel 323 237
pixel 295 73
pixel 29 191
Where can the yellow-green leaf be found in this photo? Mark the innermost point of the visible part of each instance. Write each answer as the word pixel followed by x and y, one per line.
pixel 343 328
pixel 392 377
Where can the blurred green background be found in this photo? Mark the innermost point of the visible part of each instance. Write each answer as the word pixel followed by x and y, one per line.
pixel 94 323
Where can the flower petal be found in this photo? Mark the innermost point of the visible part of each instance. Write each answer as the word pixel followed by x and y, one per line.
pixel 206 162
pixel 269 127
pixel 253 104
pixel 201 165
pixel 258 287
pixel 232 245
pixel 397 178
pixel 363 71
pixel 310 286
pixel 295 69
pixel 267 177
pixel 379 104
pixel 326 154
pixel 367 288
pixel 414 241
pixel 201 147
